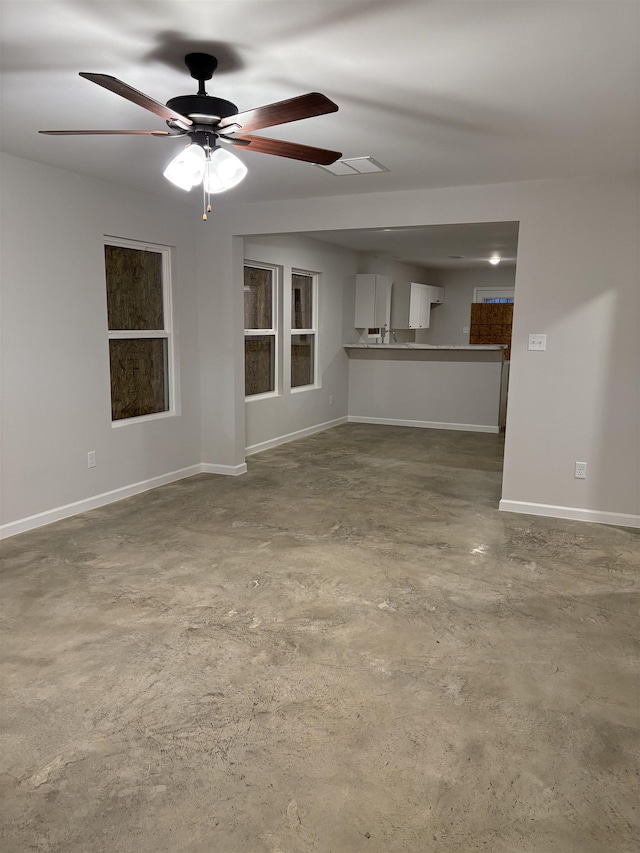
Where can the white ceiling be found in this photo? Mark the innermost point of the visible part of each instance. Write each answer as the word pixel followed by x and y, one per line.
pixel 442 93
pixel 433 246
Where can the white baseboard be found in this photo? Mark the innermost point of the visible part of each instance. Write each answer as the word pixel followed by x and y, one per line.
pixel 292 436
pixel 357 419
pixel 58 513
pixel 620 519
pixel 227 470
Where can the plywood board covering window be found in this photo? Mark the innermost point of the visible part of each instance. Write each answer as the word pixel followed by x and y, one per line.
pixel 139 329
pixel 303 329
pixel 491 324
pixel 260 334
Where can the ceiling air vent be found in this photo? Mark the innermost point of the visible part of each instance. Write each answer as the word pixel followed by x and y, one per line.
pixel 355 166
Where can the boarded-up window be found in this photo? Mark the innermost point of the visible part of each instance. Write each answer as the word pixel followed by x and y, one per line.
pixel 259 361
pixel 260 330
pixel 302 360
pixel 139 329
pixel 258 298
pixel 301 301
pixel 303 329
pixel 491 324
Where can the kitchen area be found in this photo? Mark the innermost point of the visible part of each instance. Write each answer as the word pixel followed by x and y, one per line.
pixel 432 352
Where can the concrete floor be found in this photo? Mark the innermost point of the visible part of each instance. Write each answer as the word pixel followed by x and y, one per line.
pixel 347 649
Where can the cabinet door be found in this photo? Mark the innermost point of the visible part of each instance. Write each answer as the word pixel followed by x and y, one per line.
pixel 425 306
pixel 372 298
pixel 365 301
pixel 380 313
pixel 415 306
pixel 437 294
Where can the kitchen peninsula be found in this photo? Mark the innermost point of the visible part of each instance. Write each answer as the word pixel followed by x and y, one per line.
pixel 423 385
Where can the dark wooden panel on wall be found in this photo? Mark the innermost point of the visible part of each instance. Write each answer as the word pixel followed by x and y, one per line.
pixel 134 288
pixel 302 367
pixel 301 301
pixel 491 324
pixel 138 370
pixel 258 307
pixel 259 361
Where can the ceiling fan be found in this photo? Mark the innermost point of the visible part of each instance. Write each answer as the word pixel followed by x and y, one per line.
pixel 207 121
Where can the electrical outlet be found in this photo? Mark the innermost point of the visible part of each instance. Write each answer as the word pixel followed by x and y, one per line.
pixel 91 459
pixel 331 399
pixel 538 343
pixel 465 330
pixel 580 472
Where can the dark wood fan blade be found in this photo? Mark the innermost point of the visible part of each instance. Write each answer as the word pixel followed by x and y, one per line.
pixel 136 97
pixel 304 106
pixel 108 133
pixel 293 150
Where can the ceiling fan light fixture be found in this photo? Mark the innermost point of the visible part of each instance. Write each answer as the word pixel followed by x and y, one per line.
pixel 223 170
pixel 186 170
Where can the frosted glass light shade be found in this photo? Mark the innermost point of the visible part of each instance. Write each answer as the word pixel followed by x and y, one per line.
pixel 186 170
pixel 223 170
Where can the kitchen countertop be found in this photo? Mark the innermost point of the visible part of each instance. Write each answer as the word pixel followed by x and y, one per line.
pixel 411 346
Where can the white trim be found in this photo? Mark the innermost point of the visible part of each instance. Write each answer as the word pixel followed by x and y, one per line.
pixel 299 388
pixel 294 331
pixel 274 331
pixel 135 334
pixel 266 396
pixel 154 416
pixel 493 292
pixel 572 513
pixel 357 419
pixel 226 470
pixel 292 436
pixel 22 525
pixel 166 333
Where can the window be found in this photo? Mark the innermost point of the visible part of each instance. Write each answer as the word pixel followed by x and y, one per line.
pixel 139 323
pixel 303 329
pixel 260 332
pixel 494 295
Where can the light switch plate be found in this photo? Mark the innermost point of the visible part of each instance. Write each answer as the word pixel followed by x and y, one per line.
pixel 538 343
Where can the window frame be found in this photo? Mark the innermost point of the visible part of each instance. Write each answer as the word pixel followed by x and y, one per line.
pixel 165 333
pixel 315 277
pixel 273 331
pixel 479 293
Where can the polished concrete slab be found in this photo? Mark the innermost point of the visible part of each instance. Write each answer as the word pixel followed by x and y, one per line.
pixel 347 649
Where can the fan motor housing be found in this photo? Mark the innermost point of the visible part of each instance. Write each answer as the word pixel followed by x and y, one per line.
pixel 202 105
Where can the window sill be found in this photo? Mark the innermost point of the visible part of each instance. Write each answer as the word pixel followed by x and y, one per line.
pixel 267 396
pixel 142 419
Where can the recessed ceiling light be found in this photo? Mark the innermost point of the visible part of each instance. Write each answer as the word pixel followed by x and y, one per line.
pixel 354 166
pixel 495 260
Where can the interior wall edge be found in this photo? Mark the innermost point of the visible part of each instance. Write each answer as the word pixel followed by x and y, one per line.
pixel 571 513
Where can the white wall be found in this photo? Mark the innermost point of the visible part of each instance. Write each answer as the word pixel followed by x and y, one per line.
pixel 442 389
pixel 55 361
pixel 577 281
pixel 272 418
pixel 453 315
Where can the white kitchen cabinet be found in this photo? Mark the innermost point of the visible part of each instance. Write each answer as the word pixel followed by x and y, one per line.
pixel 411 304
pixel 373 296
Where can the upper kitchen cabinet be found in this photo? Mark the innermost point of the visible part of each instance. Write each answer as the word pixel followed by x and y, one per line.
pixel 373 296
pixel 411 304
